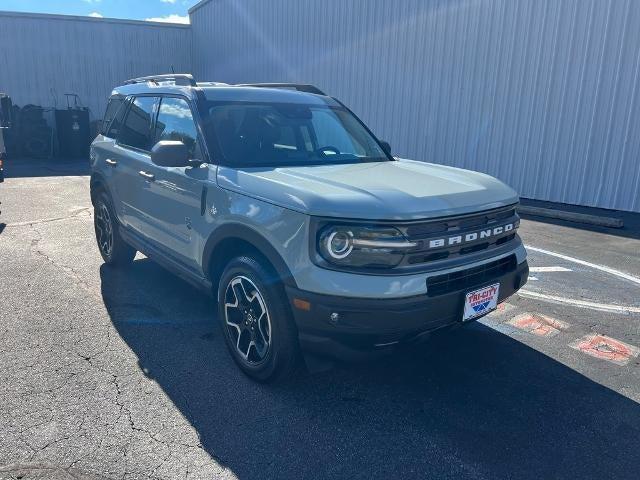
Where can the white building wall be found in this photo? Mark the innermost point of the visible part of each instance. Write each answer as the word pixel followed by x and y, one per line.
pixel 543 94
pixel 42 57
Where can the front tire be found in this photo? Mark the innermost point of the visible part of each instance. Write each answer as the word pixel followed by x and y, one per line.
pixel 114 250
pixel 256 320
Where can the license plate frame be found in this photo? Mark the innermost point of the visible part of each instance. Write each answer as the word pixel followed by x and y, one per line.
pixel 480 302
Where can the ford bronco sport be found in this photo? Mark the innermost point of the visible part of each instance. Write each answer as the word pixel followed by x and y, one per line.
pixel 282 203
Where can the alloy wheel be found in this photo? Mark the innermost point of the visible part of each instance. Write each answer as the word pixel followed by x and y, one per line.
pixel 247 319
pixel 104 229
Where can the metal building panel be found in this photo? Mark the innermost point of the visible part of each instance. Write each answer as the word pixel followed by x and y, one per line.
pixel 42 57
pixel 541 94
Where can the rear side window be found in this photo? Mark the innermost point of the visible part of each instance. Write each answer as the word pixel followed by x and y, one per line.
pixel 175 122
pixel 113 116
pixel 136 131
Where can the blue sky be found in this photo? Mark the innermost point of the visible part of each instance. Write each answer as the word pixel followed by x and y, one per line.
pixel 162 10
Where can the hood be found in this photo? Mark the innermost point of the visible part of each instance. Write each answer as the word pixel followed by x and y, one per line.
pixel 400 190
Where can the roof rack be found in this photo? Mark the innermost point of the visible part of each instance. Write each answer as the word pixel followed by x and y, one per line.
pixel 177 78
pixel 301 87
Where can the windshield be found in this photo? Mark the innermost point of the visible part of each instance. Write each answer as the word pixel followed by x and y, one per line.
pixel 280 134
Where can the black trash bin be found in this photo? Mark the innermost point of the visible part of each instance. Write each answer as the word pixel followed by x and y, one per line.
pixel 72 125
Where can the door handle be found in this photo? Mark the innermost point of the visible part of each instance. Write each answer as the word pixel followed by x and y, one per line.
pixel 148 176
pixel 113 163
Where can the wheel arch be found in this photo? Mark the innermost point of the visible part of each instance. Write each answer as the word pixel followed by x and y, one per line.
pixel 231 240
pixel 96 184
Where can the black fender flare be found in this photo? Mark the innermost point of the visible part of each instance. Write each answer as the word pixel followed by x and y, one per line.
pixel 251 236
pixel 97 178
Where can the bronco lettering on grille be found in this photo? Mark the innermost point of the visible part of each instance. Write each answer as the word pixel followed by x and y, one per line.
pixel 471 237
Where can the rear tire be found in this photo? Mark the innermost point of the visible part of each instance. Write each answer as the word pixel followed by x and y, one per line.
pixel 256 320
pixel 114 250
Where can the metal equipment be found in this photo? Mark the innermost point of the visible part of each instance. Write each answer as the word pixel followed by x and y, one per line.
pixel 5 123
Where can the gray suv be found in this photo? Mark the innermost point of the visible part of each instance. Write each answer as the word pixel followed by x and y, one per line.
pixel 282 203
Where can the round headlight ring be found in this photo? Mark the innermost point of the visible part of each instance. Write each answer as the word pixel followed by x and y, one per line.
pixel 339 244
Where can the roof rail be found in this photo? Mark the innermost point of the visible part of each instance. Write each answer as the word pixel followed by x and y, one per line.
pixel 301 87
pixel 177 78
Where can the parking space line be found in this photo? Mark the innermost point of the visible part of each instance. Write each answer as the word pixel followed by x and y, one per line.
pixel 595 266
pixel 603 307
pixel 549 269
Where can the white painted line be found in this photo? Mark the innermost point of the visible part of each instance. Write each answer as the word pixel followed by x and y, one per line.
pixel 549 269
pixel 602 268
pixel 603 307
pixel 531 277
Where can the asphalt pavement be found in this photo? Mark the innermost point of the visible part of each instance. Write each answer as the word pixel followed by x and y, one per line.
pixel 110 373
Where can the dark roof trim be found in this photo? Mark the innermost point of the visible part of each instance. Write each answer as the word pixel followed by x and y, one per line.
pixel 181 79
pixel 300 87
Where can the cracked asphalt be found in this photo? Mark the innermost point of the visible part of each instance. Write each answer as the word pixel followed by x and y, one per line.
pixel 123 374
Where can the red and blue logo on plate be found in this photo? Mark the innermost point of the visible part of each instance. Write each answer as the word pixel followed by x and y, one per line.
pixel 481 307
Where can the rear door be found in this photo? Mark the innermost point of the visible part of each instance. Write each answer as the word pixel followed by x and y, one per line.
pixel 174 197
pixel 103 151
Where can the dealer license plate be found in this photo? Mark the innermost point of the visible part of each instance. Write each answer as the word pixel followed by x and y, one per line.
pixel 480 302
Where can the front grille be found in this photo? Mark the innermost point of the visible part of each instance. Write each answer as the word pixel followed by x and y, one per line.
pixel 459 223
pixel 443 230
pixel 471 277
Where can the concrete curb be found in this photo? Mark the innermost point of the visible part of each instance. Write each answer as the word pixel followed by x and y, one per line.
pixel 610 222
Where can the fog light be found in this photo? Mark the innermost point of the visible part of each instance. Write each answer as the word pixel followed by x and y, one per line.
pixel 334 318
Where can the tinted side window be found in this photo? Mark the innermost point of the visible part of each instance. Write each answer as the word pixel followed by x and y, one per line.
pixel 136 131
pixel 175 122
pixel 113 116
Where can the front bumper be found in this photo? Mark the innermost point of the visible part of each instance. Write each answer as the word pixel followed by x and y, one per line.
pixel 368 327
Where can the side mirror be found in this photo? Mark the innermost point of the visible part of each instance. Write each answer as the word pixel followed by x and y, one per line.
pixel 170 153
pixel 386 147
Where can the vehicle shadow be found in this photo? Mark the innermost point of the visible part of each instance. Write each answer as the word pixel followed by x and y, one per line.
pixel 471 403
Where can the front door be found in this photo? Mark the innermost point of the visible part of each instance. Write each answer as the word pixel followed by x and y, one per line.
pixel 132 154
pixel 174 195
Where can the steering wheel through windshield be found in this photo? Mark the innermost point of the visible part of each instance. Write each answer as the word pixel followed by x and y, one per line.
pixel 328 150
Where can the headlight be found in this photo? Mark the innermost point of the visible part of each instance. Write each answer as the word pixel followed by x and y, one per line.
pixel 362 246
pixel 339 244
